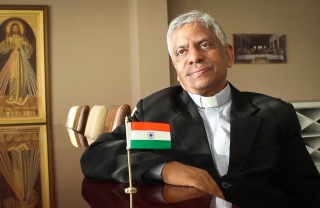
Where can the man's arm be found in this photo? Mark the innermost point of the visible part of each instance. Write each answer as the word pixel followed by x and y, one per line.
pixel 176 173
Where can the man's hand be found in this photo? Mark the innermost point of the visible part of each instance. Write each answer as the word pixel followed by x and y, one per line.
pixel 178 174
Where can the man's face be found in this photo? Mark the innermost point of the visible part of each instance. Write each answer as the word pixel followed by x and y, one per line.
pixel 200 59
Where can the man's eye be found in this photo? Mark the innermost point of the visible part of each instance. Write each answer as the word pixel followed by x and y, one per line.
pixel 180 52
pixel 205 45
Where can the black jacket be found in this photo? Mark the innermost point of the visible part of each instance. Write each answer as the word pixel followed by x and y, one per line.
pixel 269 165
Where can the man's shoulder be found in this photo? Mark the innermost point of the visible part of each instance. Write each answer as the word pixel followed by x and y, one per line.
pixel 269 104
pixel 159 106
pixel 256 98
pixel 262 99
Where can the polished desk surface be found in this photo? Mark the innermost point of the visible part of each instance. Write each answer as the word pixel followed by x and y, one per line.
pixel 61 183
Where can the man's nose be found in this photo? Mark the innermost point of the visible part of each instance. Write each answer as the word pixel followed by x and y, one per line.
pixel 195 56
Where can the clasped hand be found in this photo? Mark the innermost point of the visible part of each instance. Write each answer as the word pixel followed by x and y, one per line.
pixel 179 174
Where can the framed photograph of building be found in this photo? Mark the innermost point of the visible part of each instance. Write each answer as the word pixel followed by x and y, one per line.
pixel 23 64
pixel 259 48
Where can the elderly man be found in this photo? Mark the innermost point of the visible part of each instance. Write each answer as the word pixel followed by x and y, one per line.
pixel 242 146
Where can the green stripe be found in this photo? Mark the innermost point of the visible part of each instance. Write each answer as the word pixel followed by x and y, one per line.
pixel 150 144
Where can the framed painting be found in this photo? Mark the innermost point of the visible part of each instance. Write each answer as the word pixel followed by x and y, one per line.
pixel 24 167
pixel 23 64
pixel 260 48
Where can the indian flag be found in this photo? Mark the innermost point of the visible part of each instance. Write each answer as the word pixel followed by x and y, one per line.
pixel 148 135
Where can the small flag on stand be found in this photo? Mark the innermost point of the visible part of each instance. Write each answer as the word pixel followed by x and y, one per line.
pixel 148 135
pixel 145 135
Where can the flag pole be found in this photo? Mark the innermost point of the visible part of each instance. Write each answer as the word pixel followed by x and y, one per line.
pixel 130 189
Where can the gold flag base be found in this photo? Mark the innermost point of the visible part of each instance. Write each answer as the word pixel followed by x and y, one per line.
pixel 130 190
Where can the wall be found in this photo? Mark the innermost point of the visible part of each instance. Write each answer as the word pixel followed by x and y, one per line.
pixel 100 51
pixel 299 78
pixel 149 58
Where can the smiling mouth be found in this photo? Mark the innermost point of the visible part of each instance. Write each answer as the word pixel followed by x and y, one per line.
pixel 198 72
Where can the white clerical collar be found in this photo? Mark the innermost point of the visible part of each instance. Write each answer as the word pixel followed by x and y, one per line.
pixel 217 100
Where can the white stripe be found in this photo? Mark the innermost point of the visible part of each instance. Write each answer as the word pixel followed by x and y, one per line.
pixel 143 135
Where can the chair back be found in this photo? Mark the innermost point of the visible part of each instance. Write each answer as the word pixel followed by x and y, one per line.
pixel 71 119
pixel 77 118
pixel 116 116
pixel 95 122
pixel 82 118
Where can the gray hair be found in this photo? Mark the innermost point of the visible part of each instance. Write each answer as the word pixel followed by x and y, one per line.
pixel 193 17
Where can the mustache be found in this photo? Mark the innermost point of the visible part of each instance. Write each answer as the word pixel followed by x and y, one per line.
pixel 198 68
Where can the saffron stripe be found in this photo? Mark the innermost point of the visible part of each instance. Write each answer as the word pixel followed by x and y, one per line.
pixel 150 126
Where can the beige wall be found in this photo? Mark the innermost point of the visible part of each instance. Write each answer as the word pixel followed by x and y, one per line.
pixel 113 51
pixel 299 79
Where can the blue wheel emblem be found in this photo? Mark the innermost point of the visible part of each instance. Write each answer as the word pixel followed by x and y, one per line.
pixel 150 135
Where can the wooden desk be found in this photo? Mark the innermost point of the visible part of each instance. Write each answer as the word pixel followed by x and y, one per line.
pixel 56 181
pixel 106 194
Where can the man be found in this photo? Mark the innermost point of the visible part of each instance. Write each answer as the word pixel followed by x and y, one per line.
pixel 241 146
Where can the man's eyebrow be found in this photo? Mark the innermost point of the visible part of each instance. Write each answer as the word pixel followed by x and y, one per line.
pixel 197 42
pixel 206 38
pixel 181 45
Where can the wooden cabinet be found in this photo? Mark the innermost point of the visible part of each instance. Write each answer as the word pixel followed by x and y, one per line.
pixel 309 118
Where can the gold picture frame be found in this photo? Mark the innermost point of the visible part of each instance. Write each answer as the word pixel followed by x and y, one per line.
pixel 24 64
pixel 24 168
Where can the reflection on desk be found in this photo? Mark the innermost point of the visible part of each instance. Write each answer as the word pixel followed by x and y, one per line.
pixel 107 194
pixel 23 173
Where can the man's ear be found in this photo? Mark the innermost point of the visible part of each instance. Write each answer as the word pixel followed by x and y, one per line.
pixel 230 55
